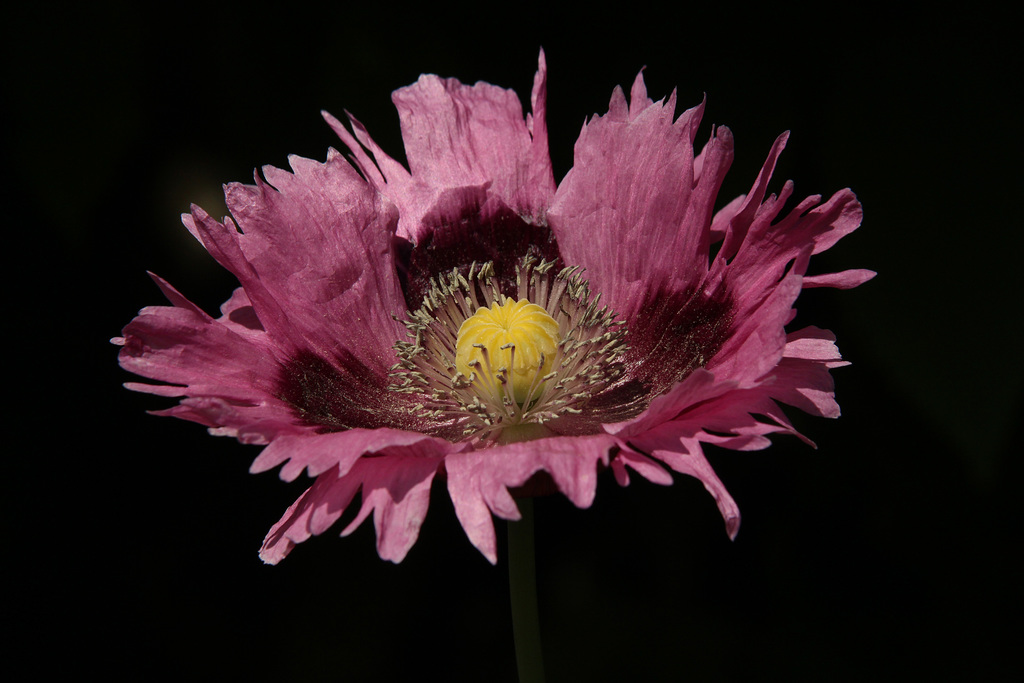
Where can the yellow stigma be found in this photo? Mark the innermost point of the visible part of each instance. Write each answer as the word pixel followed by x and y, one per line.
pixel 517 336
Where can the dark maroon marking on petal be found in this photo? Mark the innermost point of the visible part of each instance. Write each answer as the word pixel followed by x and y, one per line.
pixel 478 235
pixel 625 399
pixel 676 333
pixel 340 395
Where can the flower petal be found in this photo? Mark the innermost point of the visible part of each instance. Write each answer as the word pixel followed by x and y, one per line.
pixel 802 377
pixel 237 312
pixel 318 508
pixel 318 453
pixel 315 258
pixel 758 337
pixel 457 135
pixel 478 481
pixel 697 389
pixel 847 279
pixel 757 254
pixel 395 487
pixel 635 207
pixel 255 425
pixel 641 464
pixel 460 136
pixel 677 446
pixel 741 211
pixel 228 370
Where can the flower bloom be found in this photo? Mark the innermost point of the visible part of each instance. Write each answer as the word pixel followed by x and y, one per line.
pixel 467 318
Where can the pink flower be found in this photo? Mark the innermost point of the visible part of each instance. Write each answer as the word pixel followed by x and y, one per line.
pixel 347 352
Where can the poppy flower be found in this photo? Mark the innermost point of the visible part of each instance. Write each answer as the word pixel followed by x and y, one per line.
pixel 469 320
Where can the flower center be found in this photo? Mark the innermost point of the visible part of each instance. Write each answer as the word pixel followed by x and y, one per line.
pixel 483 364
pixel 508 348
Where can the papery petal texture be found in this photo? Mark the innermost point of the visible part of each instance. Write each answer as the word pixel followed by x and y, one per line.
pixel 348 269
pixel 479 481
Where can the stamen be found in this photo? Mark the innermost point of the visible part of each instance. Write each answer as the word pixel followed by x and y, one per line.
pixel 481 361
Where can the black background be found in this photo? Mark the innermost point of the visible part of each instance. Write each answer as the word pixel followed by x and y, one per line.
pixel 889 552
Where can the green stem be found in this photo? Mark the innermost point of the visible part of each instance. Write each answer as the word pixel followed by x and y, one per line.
pixel 522 583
